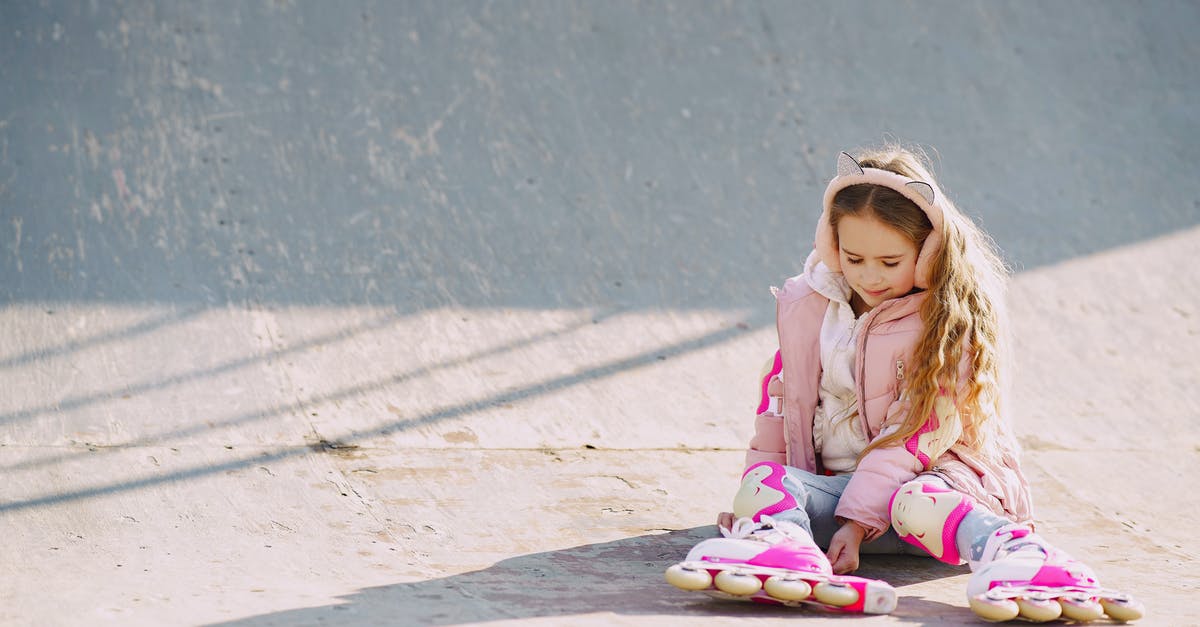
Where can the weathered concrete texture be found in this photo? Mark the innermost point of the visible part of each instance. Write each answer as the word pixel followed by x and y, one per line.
pixel 445 313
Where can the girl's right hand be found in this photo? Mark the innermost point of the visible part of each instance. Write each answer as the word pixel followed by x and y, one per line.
pixel 843 547
pixel 725 519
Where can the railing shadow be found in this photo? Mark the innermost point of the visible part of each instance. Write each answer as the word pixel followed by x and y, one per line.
pixel 552 384
pixel 622 576
pixel 173 317
pixel 141 387
pixel 254 416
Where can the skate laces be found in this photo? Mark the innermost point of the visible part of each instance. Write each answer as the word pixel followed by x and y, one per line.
pixel 1020 543
pixel 742 528
pixel 768 530
pixel 1013 539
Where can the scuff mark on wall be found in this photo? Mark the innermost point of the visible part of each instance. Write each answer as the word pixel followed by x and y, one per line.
pixel 16 247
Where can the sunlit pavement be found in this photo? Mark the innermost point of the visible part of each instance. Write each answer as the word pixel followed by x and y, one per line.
pixel 317 316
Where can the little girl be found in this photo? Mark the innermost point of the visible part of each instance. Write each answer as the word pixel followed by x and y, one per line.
pixel 880 427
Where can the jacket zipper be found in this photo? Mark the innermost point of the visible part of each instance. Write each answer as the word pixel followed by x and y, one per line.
pixel 860 350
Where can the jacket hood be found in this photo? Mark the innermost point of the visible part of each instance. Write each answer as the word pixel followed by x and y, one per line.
pixel 826 282
pixel 833 286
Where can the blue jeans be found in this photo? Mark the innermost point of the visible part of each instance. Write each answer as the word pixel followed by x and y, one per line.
pixel 816 499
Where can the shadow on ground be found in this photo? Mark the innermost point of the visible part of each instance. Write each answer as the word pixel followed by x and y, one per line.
pixel 623 576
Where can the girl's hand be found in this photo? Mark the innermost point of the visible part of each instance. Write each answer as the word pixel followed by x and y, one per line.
pixel 843 548
pixel 725 519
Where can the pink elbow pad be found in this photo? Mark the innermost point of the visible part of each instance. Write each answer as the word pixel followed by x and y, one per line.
pixel 766 401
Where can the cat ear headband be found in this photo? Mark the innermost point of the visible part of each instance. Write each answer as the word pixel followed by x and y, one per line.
pixel 849 172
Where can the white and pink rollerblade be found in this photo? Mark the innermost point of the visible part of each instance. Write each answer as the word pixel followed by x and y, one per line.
pixel 1022 576
pixel 1018 576
pixel 776 562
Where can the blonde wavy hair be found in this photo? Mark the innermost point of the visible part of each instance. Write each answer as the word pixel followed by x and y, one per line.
pixel 964 311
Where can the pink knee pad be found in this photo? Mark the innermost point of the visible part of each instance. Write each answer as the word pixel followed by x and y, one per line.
pixel 928 516
pixel 762 492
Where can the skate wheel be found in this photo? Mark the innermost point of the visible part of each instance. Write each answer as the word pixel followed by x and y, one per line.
pixel 1123 609
pixel 787 588
pixel 994 610
pixel 1038 610
pixel 688 578
pixel 738 584
pixel 836 594
pixel 1081 610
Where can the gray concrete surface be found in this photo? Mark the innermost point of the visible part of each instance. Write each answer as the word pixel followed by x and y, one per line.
pixel 441 313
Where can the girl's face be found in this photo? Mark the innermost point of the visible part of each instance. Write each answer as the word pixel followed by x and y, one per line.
pixel 878 261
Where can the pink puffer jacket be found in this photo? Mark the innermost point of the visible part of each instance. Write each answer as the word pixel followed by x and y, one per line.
pixel 886 342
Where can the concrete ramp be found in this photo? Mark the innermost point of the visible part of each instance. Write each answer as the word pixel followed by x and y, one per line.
pixel 438 313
